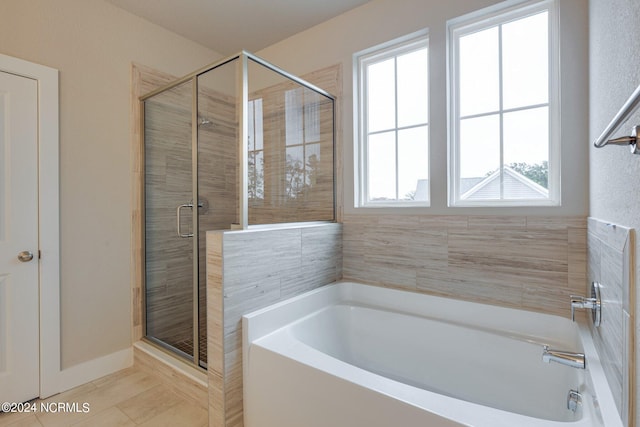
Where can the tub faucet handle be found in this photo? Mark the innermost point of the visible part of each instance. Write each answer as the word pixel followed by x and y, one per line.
pixel 580 302
pixel 594 304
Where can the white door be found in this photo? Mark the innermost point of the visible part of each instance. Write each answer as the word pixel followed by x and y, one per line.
pixel 19 306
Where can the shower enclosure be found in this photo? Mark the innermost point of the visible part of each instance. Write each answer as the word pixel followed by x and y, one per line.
pixel 237 144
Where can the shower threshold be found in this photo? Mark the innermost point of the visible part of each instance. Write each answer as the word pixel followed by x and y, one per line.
pixel 183 349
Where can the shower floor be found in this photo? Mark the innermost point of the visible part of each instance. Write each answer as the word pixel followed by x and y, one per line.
pixel 186 346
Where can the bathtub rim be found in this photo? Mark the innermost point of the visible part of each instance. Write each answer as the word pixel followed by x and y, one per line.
pixel 455 311
pixel 283 313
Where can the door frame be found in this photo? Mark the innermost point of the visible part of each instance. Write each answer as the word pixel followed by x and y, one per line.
pixel 48 217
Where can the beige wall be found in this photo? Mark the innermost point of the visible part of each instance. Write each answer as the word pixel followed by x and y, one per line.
pixel 93 43
pixel 336 40
pixel 614 196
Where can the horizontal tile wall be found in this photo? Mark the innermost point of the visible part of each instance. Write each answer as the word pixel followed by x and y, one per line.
pixel 533 263
pixel 249 270
pixel 610 255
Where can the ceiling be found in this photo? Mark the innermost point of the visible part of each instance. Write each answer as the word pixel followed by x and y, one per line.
pixel 229 26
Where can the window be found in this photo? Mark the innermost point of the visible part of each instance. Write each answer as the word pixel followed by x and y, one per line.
pixel 256 151
pixel 503 99
pixel 302 117
pixel 393 132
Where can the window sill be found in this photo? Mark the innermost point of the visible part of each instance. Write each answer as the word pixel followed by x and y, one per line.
pixel 503 203
pixel 377 205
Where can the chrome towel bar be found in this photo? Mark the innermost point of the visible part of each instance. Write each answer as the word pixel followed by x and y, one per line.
pixel 631 141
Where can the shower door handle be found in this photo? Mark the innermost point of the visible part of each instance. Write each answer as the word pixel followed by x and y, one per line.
pixel 180 234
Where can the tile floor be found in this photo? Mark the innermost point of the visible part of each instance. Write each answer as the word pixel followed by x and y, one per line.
pixel 129 397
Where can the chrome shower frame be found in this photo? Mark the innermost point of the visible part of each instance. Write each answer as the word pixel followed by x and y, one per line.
pixel 242 81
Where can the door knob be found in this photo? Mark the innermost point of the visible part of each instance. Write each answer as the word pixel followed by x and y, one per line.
pixel 25 256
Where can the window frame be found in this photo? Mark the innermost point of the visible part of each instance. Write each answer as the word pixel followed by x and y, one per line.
pixel 255 115
pixel 403 45
pixel 478 21
pixel 304 112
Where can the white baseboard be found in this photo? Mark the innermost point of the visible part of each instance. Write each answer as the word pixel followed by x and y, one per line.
pixel 93 369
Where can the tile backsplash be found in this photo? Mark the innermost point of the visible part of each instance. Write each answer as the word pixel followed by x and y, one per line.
pixel 531 263
pixel 610 255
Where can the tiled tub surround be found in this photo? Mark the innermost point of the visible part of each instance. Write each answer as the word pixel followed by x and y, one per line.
pixel 248 270
pixel 611 261
pixel 527 262
pixel 378 357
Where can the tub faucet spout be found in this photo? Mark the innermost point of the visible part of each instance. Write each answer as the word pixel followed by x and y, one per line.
pixel 575 360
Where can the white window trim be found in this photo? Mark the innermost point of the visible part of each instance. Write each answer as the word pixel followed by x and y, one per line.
pixel 392 48
pixel 474 22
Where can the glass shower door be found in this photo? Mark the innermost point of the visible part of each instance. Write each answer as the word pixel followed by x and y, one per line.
pixel 169 226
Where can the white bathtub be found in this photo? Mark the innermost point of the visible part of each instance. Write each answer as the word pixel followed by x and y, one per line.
pixel 354 355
